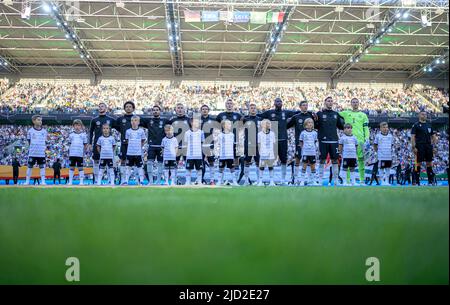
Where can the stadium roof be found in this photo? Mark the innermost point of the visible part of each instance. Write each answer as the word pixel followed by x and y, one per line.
pixel 314 35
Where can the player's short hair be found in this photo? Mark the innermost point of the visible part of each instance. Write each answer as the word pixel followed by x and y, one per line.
pixel 77 122
pixel 354 98
pixel 278 99
pixel 106 124
pixel 382 124
pixel 308 120
pixel 179 104
pixel 135 117
pixel 168 127
pixel 102 103
pixel 129 103
pixel 347 125
pixel 252 104
pixel 157 106
pixel 34 117
pixel 303 102
pixel 328 97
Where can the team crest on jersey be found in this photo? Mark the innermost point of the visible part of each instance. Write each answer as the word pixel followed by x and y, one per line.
pixel 429 130
pixel 335 116
pixel 224 117
pixel 234 117
pixel 98 123
pixel 300 121
pixel 124 121
pixel 283 116
pixel 324 116
pixel 273 115
pixel 107 122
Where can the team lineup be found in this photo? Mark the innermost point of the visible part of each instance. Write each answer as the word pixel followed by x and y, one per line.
pixel 201 140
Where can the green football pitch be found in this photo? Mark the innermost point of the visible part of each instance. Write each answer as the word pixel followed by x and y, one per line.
pixel 245 235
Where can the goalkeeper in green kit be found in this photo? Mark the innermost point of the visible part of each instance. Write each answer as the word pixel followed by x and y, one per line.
pixel 360 124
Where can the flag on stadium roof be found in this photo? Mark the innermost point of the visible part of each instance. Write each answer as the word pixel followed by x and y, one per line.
pixel 241 17
pixel 275 17
pixel 192 16
pixel 210 16
pixel 258 17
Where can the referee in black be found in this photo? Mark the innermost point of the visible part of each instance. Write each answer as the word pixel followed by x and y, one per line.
pixel 423 139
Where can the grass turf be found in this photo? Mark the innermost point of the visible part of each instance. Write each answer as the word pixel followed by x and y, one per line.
pixel 224 235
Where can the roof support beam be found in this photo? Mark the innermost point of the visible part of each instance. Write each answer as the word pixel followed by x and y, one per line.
pixel 174 36
pixel 440 62
pixel 71 35
pixel 272 41
pixel 7 63
pixel 368 42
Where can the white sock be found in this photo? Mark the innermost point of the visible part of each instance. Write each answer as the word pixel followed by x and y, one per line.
pixel 159 172
pixel 261 175
pixel 71 171
pixel 321 166
pixel 353 175
pixel 271 175
pixel 123 172
pixel 283 172
pixel 100 176
pixel 174 177
pixel 28 175
pixel 166 175
pixel 150 171
pixel 335 168
pixel 188 177
pixel 296 170
pixel 81 174
pixel 140 171
pixel 111 175
pixel 42 171
pixel 96 170
pixel 199 177
pixel 221 175
pixel 257 174
pixel 302 175
pixel 246 172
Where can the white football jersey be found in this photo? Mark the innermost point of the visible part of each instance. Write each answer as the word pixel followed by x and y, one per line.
pixel 266 143
pixel 384 143
pixel 106 147
pixel 309 139
pixel 170 148
pixel 193 140
pixel 38 138
pixel 135 137
pixel 77 142
pixel 349 146
pixel 226 146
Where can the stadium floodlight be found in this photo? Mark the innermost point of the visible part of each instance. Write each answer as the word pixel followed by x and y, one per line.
pixel 366 51
pixel 430 69
pixel 383 29
pixel 357 60
pixel 425 69
pixel 67 36
pixel 389 30
pixel 46 7
pixel 405 15
pixel 351 59
pixel 65 23
pixel 377 41
pixel 82 56
pixel 370 40
pixel 438 61
pixel 74 46
pixel 443 61
pixel 398 15
pixel 58 23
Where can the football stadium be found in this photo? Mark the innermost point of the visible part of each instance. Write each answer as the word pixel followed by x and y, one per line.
pixel 192 142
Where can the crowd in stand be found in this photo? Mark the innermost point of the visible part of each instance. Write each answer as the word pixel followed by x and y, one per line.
pixel 84 98
pixel 13 143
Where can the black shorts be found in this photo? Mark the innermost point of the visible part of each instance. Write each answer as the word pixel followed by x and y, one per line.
pixel 106 163
pixel 36 160
pixel 170 164
pixel 309 159
pixel 123 152
pixel 385 164
pixel 194 163
pixel 346 163
pixel 134 161
pixel 95 153
pixel 329 148
pixel 154 152
pixel 283 151
pixel 424 152
pixel 228 163
pixel 210 159
pixel 76 161
pixel 248 159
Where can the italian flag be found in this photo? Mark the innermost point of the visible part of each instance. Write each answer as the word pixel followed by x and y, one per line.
pixel 275 17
